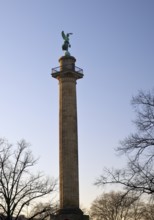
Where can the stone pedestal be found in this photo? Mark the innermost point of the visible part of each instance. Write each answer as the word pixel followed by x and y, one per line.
pixel 70 216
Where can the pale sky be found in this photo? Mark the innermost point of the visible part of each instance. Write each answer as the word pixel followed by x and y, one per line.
pixel 113 41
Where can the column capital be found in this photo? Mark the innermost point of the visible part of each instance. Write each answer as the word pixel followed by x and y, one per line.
pixel 67 68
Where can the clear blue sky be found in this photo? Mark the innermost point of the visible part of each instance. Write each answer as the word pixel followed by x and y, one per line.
pixel 113 41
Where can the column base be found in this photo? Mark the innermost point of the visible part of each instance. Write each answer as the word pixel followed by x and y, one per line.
pixel 69 214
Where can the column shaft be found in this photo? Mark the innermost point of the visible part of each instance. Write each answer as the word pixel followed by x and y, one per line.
pixel 68 143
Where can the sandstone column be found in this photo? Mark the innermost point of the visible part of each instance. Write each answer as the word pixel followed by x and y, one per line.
pixel 68 135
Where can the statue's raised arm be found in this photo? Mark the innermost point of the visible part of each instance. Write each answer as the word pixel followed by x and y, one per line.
pixel 66 43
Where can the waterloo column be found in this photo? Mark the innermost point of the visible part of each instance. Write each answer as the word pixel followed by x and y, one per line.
pixel 67 74
pixel 68 135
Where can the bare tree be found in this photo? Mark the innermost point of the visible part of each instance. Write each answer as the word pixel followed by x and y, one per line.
pixel 43 211
pixel 115 206
pixel 18 186
pixel 149 212
pixel 139 148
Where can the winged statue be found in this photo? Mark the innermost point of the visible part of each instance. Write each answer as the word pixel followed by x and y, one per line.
pixel 66 43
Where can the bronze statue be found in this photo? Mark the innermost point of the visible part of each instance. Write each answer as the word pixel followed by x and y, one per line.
pixel 66 43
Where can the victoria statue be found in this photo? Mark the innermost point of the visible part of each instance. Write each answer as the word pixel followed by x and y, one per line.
pixel 66 43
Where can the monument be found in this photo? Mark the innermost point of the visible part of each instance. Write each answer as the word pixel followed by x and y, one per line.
pixel 67 74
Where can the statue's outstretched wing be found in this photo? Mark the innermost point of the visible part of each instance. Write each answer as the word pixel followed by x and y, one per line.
pixel 63 35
